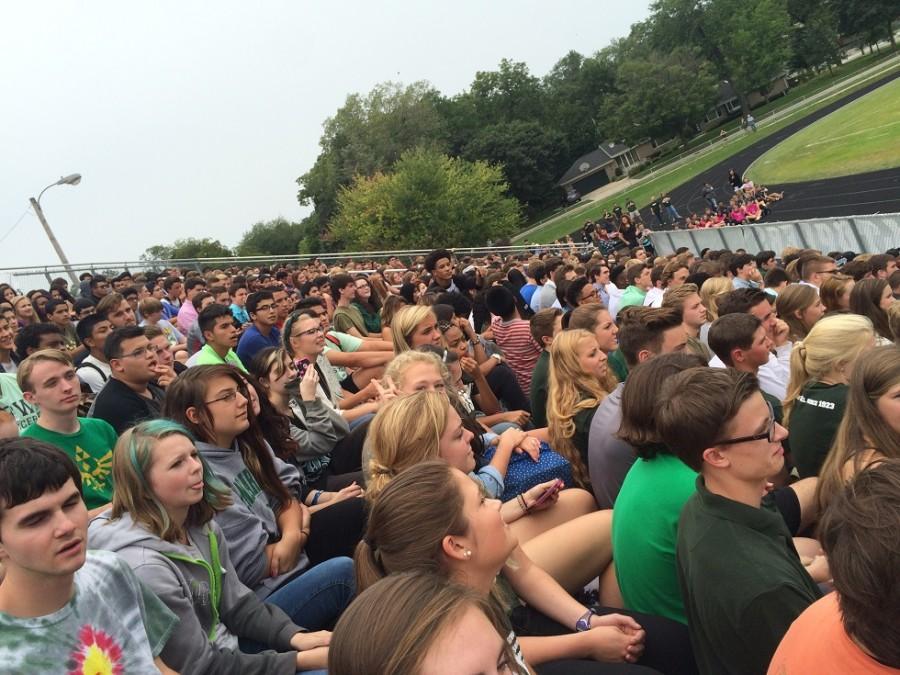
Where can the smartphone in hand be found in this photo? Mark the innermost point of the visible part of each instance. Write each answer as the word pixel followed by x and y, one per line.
pixel 549 493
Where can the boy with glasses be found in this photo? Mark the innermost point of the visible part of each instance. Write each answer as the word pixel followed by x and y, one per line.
pixel 129 395
pixel 262 332
pixel 741 578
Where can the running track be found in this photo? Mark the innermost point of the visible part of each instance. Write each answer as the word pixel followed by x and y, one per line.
pixel 861 194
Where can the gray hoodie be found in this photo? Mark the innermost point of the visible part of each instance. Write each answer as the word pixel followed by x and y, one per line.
pixel 198 583
pixel 249 524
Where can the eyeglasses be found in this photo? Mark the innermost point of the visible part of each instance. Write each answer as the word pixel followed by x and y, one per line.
pixel 138 353
pixel 265 308
pixel 310 332
pixel 229 397
pixel 591 294
pixel 834 271
pixel 768 434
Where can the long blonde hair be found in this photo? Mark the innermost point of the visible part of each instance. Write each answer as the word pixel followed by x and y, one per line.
pixel 405 432
pixel 833 342
pixel 863 428
pixel 404 324
pixel 710 292
pixel 571 390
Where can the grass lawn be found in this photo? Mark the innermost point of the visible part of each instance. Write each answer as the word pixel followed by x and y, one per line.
pixel 644 192
pixel 862 136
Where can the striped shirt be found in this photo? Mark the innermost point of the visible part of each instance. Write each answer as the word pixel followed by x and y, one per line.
pixel 518 347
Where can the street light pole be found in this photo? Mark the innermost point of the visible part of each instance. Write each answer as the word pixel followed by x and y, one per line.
pixel 72 179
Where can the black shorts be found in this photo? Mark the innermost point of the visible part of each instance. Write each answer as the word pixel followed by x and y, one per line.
pixel 348 384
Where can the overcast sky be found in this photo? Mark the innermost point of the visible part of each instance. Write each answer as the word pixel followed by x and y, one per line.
pixel 196 118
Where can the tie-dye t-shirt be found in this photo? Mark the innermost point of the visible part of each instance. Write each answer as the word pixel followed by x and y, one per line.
pixel 111 626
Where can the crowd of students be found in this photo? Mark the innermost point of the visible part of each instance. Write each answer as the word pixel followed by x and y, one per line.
pixel 578 462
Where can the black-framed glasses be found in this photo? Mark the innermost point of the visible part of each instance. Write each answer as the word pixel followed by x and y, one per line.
pixel 265 308
pixel 768 434
pixel 310 332
pixel 138 353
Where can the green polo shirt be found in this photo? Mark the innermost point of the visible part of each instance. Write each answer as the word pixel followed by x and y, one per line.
pixel 207 356
pixel 741 579
pixel 540 383
pixel 813 424
pixel 644 532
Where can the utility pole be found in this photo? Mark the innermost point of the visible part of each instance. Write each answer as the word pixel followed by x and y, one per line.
pixel 52 238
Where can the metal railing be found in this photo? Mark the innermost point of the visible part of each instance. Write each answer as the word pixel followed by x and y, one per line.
pixel 862 234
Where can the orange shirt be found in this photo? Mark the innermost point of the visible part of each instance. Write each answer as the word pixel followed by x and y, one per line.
pixel 817 643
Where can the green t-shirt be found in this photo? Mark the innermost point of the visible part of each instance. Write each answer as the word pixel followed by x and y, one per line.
pixel 813 424
pixel 617 363
pixel 645 534
pixel 207 356
pixel 12 401
pixel 346 318
pixel 91 448
pixel 112 624
pixel 371 319
pixel 540 383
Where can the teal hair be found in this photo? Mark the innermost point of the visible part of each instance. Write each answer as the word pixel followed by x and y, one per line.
pixel 140 449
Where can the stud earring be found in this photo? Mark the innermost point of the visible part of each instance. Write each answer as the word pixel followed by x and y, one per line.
pixel 468 554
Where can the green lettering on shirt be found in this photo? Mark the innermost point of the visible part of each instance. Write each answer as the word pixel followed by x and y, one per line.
pixel 246 487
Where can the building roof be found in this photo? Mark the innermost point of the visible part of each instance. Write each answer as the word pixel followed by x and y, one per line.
pixel 585 166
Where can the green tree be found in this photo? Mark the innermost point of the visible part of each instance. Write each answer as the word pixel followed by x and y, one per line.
pixel 368 134
pixel 814 37
pixel 575 89
pixel 532 157
pixel 275 237
pixel 660 96
pixel 188 248
pixel 428 200
pixel 871 20
pixel 746 42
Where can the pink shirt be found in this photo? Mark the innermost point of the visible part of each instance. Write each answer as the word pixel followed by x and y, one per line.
pixel 519 348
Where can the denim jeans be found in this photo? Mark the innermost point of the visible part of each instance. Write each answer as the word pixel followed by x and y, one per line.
pixel 314 599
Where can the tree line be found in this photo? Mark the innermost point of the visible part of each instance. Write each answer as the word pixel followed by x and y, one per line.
pixel 405 165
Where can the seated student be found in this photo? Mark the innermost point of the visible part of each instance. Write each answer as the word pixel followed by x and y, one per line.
pixel 167 368
pixel 263 332
pixel 49 382
pixel 741 578
pixel 835 293
pixel 580 379
pixel 116 309
pixel 799 306
pixel 161 523
pixel 315 424
pixel 8 358
pixel 60 314
pixel 685 299
pixel 220 335
pixel 872 298
pixel 649 502
pixel 461 535
pixel 269 531
pixel 545 326
pixel 202 300
pixel 346 318
pixel 854 629
pixel 413 326
pixel 238 293
pixel 352 395
pixel 773 377
pixel 129 396
pixel 62 607
pixel 513 334
pixel 152 312
pixel 37 336
pixel 870 429
pixel 644 334
pixel 94 369
pixel 817 395
pixel 419 622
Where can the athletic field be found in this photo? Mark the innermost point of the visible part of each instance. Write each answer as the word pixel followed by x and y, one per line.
pixel 860 137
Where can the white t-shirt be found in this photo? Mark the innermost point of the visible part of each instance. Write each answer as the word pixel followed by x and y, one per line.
pixel 90 376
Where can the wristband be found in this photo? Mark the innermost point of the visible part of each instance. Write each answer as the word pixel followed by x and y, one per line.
pixel 316 495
